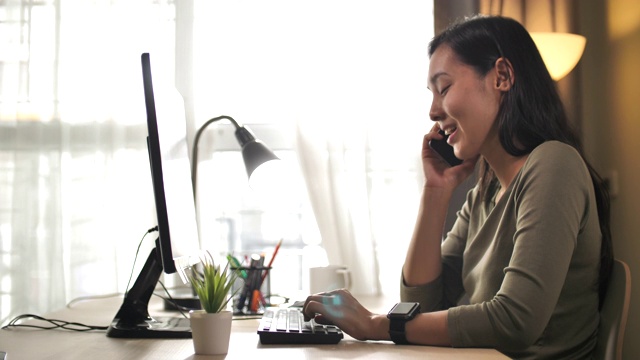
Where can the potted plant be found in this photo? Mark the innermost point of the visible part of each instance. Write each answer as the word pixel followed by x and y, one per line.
pixel 211 326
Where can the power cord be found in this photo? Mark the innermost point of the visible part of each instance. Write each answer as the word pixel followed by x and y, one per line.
pixel 74 326
pixel 55 324
pixel 92 297
pixel 135 258
pixel 180 308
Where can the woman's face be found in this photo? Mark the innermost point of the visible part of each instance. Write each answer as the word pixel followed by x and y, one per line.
pixel 464 104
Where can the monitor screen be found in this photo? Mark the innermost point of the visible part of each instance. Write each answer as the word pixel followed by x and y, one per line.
pixel 171 171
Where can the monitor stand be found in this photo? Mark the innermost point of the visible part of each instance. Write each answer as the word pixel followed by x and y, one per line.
pixel 133 320
pixel 182 299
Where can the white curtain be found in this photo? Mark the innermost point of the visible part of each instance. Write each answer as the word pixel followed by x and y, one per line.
pixel 359 146
pixel 75 196
pixel 348 79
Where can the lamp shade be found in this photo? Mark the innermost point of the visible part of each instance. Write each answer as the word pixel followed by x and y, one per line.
pixel 254 152
pixel 560 51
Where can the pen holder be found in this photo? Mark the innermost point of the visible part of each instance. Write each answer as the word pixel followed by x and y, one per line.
pixel 252 290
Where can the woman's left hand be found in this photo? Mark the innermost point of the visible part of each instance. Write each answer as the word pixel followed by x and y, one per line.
pixel 340 308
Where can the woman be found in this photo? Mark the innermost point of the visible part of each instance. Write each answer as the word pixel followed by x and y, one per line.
pixel 531 248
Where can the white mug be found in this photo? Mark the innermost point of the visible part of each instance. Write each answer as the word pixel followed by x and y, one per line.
pixel 327 278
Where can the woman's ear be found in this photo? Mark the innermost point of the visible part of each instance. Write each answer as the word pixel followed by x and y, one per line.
pixel 504 72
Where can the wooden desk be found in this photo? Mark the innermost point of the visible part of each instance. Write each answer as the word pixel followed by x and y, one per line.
pixel 29 344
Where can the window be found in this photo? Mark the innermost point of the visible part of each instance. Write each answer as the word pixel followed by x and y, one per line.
pixel 75 187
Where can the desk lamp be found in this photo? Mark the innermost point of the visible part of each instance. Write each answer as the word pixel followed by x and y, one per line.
pixel 254 154
pixel 254 151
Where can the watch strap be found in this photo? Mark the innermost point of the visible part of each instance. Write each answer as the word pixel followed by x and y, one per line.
pixel 397 325
pixel 398 336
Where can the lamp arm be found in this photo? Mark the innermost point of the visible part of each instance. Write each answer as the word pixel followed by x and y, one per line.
pixel 194 155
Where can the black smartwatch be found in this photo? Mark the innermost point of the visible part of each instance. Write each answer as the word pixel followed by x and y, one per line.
pixel 399 315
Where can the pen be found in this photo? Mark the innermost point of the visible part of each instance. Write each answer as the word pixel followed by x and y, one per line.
pixel 255 286
pixel 255 301
pixel 266 272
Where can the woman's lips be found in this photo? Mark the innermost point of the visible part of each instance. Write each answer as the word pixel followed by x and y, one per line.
pixel 450 133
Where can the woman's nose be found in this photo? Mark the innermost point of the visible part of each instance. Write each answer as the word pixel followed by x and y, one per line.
pixel 435 112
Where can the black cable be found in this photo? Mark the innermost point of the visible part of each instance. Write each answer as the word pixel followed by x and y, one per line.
pixel 92 297
pixel 135 258
pixel 180 308
pixel 55 324
pixel 68 325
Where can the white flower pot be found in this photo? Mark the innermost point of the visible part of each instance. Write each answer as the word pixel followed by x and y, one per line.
pixel 210 332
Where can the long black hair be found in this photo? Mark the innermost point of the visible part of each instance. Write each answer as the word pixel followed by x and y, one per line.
pixel 531 112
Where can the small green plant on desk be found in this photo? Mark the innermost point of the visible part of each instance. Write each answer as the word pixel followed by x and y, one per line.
pixel 211 326
pixel 213 285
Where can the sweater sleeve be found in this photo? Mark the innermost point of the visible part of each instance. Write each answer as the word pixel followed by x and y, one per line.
pixel 549 198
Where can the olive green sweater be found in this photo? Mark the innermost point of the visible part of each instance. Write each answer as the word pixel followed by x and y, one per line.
pixel 527 266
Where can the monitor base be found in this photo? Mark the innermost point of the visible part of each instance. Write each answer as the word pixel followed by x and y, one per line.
pixel 157 328
pixel 133 320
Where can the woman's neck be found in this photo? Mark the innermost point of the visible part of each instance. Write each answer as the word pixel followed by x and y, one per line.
pixel 504 165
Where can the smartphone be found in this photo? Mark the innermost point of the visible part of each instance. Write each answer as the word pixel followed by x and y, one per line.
pixel 445 150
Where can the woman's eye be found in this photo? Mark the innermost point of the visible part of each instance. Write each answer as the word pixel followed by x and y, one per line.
pixel 444 90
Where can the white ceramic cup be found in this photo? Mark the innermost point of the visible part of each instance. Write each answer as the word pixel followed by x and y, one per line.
pixel 327 278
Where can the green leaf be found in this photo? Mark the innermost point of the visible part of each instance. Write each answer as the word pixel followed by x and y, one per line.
pixel 213 285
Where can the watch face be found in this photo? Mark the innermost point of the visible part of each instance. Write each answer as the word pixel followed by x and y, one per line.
pixel 402 308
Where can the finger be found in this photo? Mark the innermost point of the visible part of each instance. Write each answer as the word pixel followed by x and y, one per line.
pixel 425 141
pixel 316 297
pixel 323 320
pixel 330 306
pixel 434 133
pixel 337 292
pixel 427 150
pixel 311 309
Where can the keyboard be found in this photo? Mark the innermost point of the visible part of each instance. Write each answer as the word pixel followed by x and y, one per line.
pixel 287 326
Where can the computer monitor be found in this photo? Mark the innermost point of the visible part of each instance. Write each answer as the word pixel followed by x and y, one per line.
pixel 177 245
